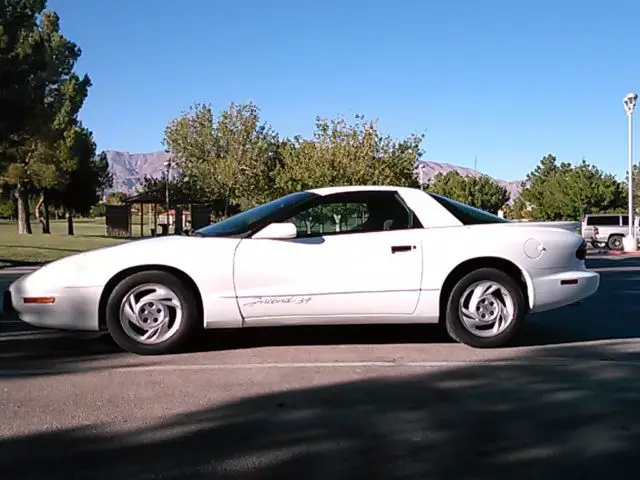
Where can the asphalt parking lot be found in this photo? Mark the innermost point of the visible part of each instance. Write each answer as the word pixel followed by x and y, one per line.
pixel 341 402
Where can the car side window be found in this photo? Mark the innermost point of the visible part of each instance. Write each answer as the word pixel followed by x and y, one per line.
pixel 353 212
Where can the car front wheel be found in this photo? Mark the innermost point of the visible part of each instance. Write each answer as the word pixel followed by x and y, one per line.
pixel 151 313
pixel 485 309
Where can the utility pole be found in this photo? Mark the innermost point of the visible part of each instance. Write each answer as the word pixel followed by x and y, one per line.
pixel 630 243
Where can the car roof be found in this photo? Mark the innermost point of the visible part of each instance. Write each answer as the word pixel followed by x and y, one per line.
pixel 360 188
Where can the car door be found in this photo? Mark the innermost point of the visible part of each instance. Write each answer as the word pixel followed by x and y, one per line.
pixel 341 266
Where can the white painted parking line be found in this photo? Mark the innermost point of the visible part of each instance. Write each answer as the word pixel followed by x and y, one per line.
pixel 415 364
pixel 548 362
pixel 17 270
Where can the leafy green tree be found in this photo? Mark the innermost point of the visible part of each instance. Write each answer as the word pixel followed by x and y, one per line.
pixel 88 180
pixel 22 53
pixel 231 157
pixel 481 192
pixel 636 189
pixel 560 191
pixel 7 203
pixel 116 198
pixel 34 155
pixel 340 153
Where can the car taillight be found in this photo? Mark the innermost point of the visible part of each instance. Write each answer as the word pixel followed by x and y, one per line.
pixel 581 252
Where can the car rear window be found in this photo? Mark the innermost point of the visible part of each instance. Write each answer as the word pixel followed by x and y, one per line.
pixel 467 214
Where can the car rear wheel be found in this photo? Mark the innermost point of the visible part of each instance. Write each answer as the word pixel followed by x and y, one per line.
pixel 151 313
pixel 615 242
pixel 486 308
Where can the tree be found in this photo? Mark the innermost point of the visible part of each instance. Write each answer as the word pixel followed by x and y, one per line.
pixel 103 175
pixel 636 188
pixel 116 198
pixel 21 54
pixel 481 192
pixel 88 180
pixel 230 157
pixel 340 153
pixel 33 148
pixel 563 192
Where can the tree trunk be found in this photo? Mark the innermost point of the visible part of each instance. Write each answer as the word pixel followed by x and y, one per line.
pixel 47 222
pixel 44 221
pixel 22 198
pixel 70 222
pixel 336 218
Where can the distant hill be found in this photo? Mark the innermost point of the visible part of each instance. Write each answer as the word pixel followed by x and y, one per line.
pixel 128 169
pixel 431 169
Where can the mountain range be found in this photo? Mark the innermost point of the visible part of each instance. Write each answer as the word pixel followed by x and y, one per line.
pixel 129 169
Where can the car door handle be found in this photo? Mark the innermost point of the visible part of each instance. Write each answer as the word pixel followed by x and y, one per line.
pixel 401 248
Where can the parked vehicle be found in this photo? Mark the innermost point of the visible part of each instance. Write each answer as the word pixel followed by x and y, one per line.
pixel 411 257
pixel 607 228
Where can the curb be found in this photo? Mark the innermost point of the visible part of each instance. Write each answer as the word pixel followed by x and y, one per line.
pixel 18 270
pixel 612 253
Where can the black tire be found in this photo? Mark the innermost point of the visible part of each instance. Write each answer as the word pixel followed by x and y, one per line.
pixel 453 322
pixel 184 333
pixel 615 242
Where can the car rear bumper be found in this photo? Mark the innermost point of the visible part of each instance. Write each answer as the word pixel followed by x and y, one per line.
pixel 563 288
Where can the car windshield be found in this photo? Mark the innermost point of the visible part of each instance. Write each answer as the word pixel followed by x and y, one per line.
pixel 467 214
pixel 246 220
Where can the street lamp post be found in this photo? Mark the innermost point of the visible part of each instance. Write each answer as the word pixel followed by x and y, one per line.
pixel 167 166
pixel 421 168
pixel 629 103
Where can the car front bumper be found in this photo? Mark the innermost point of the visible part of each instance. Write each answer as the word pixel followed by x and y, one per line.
pixel 74 308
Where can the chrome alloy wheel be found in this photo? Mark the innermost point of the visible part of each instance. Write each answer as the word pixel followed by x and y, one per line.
pixel 151 313
pixel 486 309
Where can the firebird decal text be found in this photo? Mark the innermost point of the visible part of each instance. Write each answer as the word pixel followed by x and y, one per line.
pixel 278 301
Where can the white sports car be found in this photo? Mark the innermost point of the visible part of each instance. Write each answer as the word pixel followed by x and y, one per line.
pixel 340 255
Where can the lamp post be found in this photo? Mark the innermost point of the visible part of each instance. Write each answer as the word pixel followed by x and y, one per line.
pixel 421 168
pixel 629 102
pixel 167 166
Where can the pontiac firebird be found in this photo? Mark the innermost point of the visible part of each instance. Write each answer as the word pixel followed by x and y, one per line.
pixel 339 255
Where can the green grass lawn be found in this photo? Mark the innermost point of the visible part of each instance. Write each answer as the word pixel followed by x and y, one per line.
pixel 38 248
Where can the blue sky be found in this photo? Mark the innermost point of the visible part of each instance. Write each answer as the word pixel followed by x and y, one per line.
pixel 506 81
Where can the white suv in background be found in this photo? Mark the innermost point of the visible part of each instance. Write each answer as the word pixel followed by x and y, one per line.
pixel 608 228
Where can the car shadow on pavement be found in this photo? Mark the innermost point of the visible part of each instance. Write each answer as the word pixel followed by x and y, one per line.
pixel 528 417
pixel 381 334
pixel 64 347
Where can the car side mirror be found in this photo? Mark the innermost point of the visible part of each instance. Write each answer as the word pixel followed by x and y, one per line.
pixel 278 231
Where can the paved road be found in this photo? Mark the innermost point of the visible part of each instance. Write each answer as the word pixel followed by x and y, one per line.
pixel 341 403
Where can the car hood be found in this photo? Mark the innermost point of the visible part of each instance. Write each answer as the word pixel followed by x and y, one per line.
pixel 158 247
pixel 94 267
